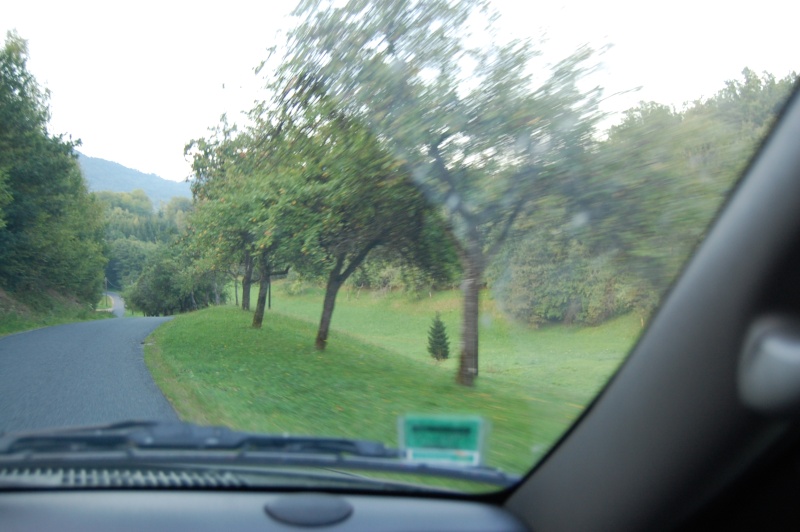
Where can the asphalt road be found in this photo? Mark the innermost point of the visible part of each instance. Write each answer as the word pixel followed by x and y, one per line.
pixel 118 307
pixel 79 374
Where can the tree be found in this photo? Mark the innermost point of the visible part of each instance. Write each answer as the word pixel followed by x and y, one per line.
pixel 614 241
pixel 438 343
pixel 172 281
pixel 51 228
pixel 222 224
pixel 479 141
pixel 337 194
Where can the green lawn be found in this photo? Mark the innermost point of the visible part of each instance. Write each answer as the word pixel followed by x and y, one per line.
pixel 215 369
pixel 574 362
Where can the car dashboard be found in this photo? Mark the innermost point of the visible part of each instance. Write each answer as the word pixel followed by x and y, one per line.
pixel 156 510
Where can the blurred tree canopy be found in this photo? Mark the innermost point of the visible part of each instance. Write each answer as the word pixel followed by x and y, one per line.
pixel 615 243
pixel 478 134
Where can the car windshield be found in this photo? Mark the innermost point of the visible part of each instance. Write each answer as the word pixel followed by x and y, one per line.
pixel 399 244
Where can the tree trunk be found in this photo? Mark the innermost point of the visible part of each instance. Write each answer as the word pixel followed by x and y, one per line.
pixel 247 279
pixel 473 274
pixel 216 290
pixel 263 285
pixel 331 290
pixel 236 288
pixel 336 279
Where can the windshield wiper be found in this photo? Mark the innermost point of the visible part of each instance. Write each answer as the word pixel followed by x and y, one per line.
pixel 171 443
pixel 153 435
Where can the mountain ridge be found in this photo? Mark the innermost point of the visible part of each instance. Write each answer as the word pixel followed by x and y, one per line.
pixel 104 175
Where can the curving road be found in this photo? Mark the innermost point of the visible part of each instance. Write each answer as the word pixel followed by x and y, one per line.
pixel 79 374
pixel 118 304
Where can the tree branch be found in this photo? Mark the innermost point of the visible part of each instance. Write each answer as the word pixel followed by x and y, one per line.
pixel 498 241
pixel 359 258
pixel 445 177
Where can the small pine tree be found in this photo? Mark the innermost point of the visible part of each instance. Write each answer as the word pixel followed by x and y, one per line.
pixel 438 344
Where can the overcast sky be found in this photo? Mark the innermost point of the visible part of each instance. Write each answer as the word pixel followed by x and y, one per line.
pixel 136 83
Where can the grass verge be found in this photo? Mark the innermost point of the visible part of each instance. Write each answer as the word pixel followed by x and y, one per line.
pixel 49 309
pixel 216 369
pixel 106 303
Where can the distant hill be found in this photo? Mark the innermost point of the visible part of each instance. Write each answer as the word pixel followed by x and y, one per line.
pixel 102 175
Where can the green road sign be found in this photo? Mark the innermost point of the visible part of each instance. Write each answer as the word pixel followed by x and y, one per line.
pixel 440 438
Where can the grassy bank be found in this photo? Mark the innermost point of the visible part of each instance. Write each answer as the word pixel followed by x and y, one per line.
pixel 215 369
pixel 41 310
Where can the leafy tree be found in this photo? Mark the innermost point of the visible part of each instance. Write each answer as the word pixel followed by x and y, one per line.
pixel 169 284
pixel 429 264
pixel 176 212
pixel 478 141
pixel 51 232
pixel 337 195
pixel 222 226
pixel 127 259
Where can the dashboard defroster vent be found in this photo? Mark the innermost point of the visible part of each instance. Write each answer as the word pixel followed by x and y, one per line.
pixel 117 478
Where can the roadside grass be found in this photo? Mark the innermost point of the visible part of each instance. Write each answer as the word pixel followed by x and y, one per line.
pixel 106 303
pixel 41 310
pixel 216 369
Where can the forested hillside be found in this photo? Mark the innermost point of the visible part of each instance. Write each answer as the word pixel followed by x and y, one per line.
pixel 107 176
pixel 149 260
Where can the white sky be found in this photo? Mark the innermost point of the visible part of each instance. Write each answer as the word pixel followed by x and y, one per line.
pixel 136 83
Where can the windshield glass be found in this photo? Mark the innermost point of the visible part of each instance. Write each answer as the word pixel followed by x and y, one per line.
pixel 409 239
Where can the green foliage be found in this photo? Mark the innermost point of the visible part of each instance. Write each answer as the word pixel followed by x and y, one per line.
pixel 127 259
pixel 131 215
pixel 438 343
pixel 613 240
pixel 384 273
pixel 134 230
pixel 169 284
pixel 560 281
pixel 479 141
pixel 51 232
pixel 22 312
pixel 136 203
pixel 228 207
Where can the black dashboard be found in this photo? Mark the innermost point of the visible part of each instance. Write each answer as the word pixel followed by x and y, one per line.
pixel 156 510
